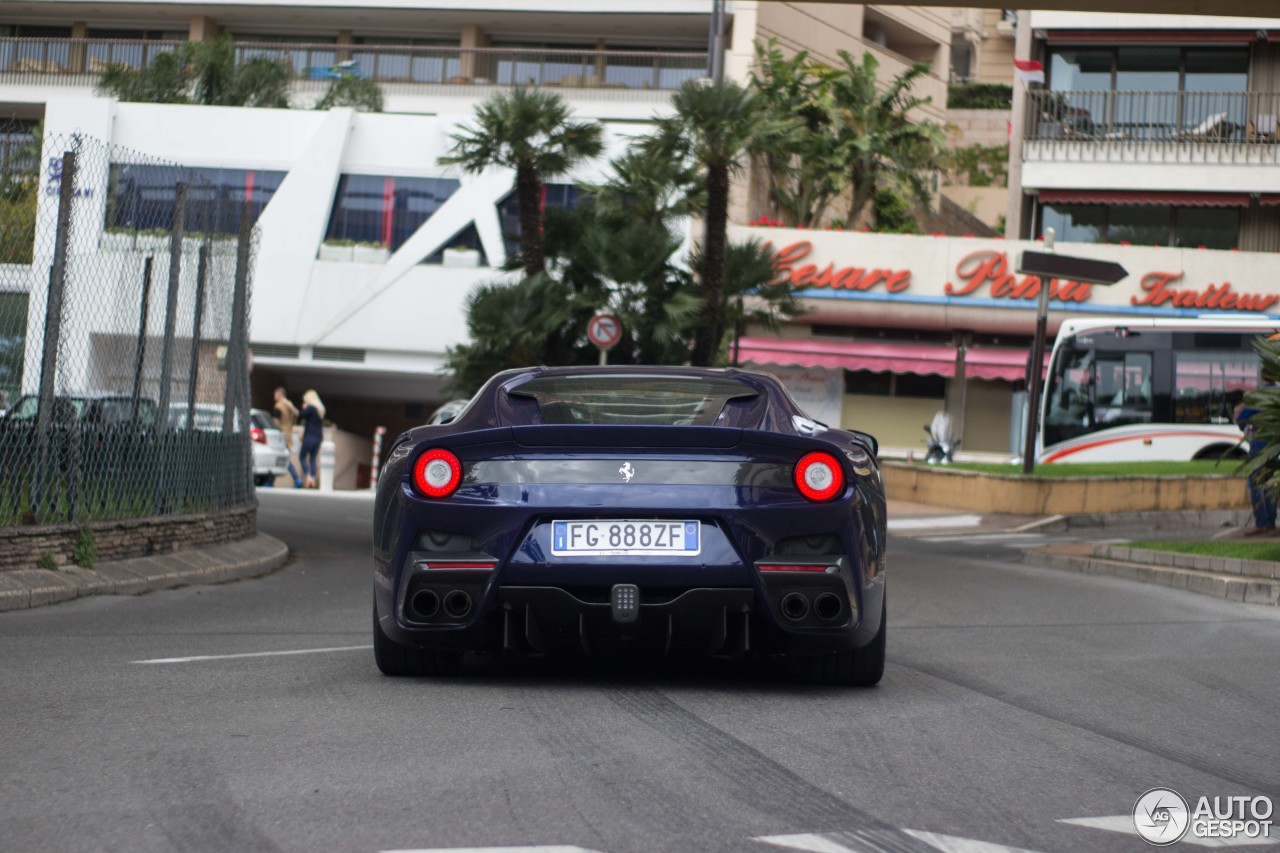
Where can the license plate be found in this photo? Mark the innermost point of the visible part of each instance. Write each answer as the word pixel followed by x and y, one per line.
pixel 626 538
pixel 282 461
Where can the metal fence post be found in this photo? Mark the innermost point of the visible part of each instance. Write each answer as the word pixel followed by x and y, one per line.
pixel 171 306
pixel 197 322
pixel 236 401
pixel 52 336
pixel 141 356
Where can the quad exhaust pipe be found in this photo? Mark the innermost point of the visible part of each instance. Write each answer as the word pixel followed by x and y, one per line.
pixel 795 606
pixel 827 606
pixel 457 603
pixel 425 603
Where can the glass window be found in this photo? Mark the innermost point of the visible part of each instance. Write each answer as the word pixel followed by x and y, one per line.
pixel 1207 384
pixel 383 209
pixel 1140 224
pixel 13 336
pixel 1147 69
pixel 657 400
pixel 1122 383
pixel 1069 396
pixel 1211 227
pixel 553 195
pixel 1080 70
pixel 1074 223
pixel 140 198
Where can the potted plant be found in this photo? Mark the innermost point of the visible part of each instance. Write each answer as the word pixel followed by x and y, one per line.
pixel 336 250
pixel 461 257
pixel 370 253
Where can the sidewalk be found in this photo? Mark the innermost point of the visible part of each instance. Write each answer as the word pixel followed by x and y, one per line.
pixel 247 558
pixel 1095 553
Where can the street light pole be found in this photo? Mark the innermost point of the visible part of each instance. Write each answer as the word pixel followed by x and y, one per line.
pixel 715 42
pixel 1036 369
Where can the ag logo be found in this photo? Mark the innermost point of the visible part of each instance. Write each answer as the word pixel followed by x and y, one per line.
pixel 1161 816
pixel 627 472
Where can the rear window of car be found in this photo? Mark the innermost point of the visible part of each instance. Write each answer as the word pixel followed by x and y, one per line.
pixel 632 399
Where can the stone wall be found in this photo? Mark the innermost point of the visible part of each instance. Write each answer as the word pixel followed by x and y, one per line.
pixel 1017 495
pixel 23 547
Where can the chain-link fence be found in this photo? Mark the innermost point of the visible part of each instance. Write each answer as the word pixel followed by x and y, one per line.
pixel 124 301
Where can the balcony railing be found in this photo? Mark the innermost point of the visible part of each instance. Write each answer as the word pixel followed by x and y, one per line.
pixel 399 68
pixel 1153 116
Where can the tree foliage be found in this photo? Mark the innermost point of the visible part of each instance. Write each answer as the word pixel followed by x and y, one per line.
pixel 348 90
pixel 201 72
pixel 19 194
pixel 848 135
pixel 531 131
pixel 1265 422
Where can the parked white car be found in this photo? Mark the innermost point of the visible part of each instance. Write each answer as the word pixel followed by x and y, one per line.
pixel 270 456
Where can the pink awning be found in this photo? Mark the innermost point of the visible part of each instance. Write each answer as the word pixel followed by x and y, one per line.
pixel 1270 200
pixel 1007 363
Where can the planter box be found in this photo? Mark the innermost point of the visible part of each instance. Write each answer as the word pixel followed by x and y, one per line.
pixel 461 259
pixel 335 253
pixel 370 254
pixel 1017 495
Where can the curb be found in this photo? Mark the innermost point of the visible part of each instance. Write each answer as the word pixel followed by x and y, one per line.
pixel 1222 582
pixel 22 589
pixel 1152 520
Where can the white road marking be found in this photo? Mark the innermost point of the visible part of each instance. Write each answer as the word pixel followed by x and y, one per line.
pixel 955 844
pixel 808 841
pixel 936 522
pixel 980 538
pixel 544 849
pixel 827 843
pixel 257 655
pixel 1124 824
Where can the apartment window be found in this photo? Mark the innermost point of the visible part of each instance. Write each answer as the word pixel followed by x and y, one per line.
pixel 128 47
pixel 383 209
pixel 306 61
pixel 1149 68
pixel 662 69
pixel 534 66
pixel 1142 225
pixel 141 198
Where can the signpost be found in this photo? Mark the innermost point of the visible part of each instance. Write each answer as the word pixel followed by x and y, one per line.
pixel 1049 266
pixel 604 330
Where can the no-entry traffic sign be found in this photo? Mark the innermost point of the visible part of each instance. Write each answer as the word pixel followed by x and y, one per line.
pixel 604 330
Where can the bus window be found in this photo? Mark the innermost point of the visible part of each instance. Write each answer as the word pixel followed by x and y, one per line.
pixel 1069 409
pixel 1123 389
pixel 1208 384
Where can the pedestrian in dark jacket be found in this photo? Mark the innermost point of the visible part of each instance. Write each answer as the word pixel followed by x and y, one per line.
pixel 311 415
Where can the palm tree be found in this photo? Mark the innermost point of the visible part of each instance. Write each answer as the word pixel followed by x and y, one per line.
pixel 212 65
pixel 349 90
pixel 877 142
pixel 161 82
pixel 531 131
pixel 713 125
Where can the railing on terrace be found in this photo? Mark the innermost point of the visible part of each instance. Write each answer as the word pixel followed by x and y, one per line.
pixel 1182 117
pixel 79 62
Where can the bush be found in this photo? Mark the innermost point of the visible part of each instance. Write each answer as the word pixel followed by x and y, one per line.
pixel 84 553
pixel 47 562
pixel 979 96
pixel 894 214
pixel 977 165
pixel 351 91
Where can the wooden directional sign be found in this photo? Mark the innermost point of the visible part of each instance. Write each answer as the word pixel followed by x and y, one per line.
pixel 1070 268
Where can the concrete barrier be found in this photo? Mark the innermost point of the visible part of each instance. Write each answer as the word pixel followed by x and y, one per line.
pixel 1018 495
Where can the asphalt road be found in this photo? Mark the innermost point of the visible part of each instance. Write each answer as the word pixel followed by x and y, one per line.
pixel 1014 699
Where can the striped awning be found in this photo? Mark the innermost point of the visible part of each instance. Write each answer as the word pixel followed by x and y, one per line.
pixel 1172 199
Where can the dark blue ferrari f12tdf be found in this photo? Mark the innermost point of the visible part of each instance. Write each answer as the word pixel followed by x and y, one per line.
pixel 592 509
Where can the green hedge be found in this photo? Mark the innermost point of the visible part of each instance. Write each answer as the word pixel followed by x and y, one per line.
pixel 979 96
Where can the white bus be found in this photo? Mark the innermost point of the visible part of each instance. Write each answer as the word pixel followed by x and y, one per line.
pixel 1129 390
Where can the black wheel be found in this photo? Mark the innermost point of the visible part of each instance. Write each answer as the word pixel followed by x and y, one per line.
pixel 862 667
pixel 395 659
pixel 261 479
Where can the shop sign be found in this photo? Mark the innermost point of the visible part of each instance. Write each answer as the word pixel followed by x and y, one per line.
pixel 988 274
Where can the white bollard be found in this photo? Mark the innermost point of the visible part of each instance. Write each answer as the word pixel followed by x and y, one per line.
pixel 328 462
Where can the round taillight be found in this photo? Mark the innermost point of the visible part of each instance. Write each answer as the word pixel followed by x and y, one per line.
pixel 819 476
pixel 437 473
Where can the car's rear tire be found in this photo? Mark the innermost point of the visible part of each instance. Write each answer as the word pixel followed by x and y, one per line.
pixel 262 479
pixel 862 667
pixel 399 660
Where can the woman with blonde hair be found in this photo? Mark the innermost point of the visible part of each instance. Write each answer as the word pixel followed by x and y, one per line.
pixel 311 415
